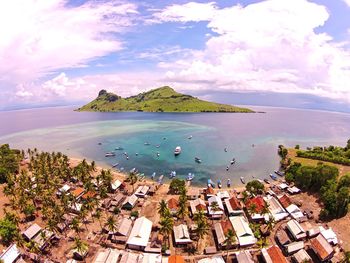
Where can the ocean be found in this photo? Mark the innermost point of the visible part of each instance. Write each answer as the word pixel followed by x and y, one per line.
pixel 250 138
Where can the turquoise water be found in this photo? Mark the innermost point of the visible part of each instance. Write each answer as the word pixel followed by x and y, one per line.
pixel 251 139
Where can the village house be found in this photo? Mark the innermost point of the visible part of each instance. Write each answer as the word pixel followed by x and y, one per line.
pixel 107 256
pixel 192 193
pixel 221 229
pixel 123 230
pixel 149 258
pixel 214 259
pixel 156 243
pixel 215 214
pixel 329 235
pixel 223 195
pixel 130 202
pixel 244 257
pixel 243 232
pixel 282 238
pixel 275 208
pixel 294 247
pixel 31 232
pixel 209 192
pixel 115 185
pixel 233 206
pixel 78 192
pixel 197 205
pixel 176 259
pixel 273 255
pixel 256 207
pixel 142 191
pixel 301 256
pixel 296 230
pixel 129 257
pixel 173 205
pixel 322 248
pixel 140 234
pixel 181 235
pixel 11 254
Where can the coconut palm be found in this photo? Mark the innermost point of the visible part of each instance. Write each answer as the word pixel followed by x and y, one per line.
pixel 183 211
pixel 202 230
pixel 229 241
pixel 80 246
pixel 163 207
pixel 166 227
pixel 132 179
pixel 98 215
pixel 214 206
pixel 111 224
pixel 75 225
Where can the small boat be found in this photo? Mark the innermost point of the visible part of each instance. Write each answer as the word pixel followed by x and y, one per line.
pixel 109 154
pixel 158 154
pixel 225 150
pixel 121 169
pixel 190 137
pixel 133 171
pixel 147 143
pixel 274 177
pixel 136 154
pixel 153 175
pixel 100 143
pixel 211 183
pixel 125 153
pixel 227 168
pixel 197 160
pixel 157 146
pixel 119 148
pixel 177 150
pixel 219 183
pixel 190 177
pixel 242 180
pixel 267 181
pixel 164 138
pixel 172 174
pixel 127 157
pixel 228 183
pixel 260 181
pixel 280 173
pixel 233 161
pixel 115 165
pixel 160 179
pixel 253 145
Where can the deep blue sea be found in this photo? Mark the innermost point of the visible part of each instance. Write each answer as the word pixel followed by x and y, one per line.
pixel 251 139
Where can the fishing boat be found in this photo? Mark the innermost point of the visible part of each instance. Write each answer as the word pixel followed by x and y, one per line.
pixel 100 143
pixel 125 153
pixel 197 160
pixel 146 143
pixel 280 173
pixel 225 150
pixel 158 154
pixel 160 179
pixel 136 154
pixel 115 165
pixel 133 171
pixel 190 177
pixel 233 161
pixel 153 175
pixel 266 181
pixel 127 157
pixel 228 183
pixel 219 183
pixel 227 168
pixel 157 146
pixel 109 154
pixel 164 138
pixel 172 174
pixel 211 183
pixel 177 150
pixel 121 169
pixel 242 180
pixel 118 148
pixel 274 177
pixel 190 137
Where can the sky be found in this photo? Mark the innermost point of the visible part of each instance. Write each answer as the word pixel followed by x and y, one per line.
pixel 273 52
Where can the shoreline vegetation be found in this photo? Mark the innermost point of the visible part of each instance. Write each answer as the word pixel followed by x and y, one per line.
pixel 317 177
pixel 163 99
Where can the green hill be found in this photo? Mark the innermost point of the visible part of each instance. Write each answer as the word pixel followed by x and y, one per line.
pixel 163 99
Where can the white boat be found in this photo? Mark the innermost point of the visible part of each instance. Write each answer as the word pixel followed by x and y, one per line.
pixel 172 174
pixel 177 150
pixel 242 180
pixel 146 143
pixel 190 177
pixel 197 159
pixel 115 165
pixel 228 182
pixel 190 137
pixel 153 175
pixel 160 179
pixel 109 154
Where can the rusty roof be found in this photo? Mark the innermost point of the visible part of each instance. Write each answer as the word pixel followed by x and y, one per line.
pixel 173 203
pixel 259 203
pixel 176 259
pixel 78 191
pixel 276 255
pixel 322 248
pixel 235 204
pixel 285 200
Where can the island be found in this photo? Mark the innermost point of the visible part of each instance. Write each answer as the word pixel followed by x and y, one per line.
pixel 163 99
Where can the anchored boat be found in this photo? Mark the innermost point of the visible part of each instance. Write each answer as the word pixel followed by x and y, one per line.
pixel 197 160
pixel 177 150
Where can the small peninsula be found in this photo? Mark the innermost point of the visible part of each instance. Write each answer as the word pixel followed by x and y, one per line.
pixel 163 99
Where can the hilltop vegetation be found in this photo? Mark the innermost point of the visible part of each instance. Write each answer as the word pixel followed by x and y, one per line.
pixel 163 99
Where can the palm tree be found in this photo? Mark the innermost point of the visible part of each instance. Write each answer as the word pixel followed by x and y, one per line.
pixel 163 207
pixel 98 216
pixel 167 224
pixel 111 224
pixel 230 240
pixel 80 246
pixel 201 230
pixel 214 206
pixel 132 178
pixel 75 226
pixel 252 209
pixel 270 223
pixel 182 212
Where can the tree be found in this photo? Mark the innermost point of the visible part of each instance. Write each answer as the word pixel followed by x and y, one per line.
pixel 177 186
pixel 255 187
pixel 75 225
pixel 214 206
pixel 29 211
pixel 201 230
pixel 111 224
pixel 8 230
pixel 229 241
pixel 166 227
pixel 98 216
pixel 163 208
pixel 182 212
pixel 80 246
pixel 132 179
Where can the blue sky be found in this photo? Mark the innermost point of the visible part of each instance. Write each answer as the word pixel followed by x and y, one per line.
pixel 63 52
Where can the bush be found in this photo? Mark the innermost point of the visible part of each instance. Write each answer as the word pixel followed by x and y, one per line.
pixel 134 214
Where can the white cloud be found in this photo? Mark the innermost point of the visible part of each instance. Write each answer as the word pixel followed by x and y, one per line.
pixel 191 11
pixel 347 2
pixel 267 46
pixel 40 37
pixel 24 94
